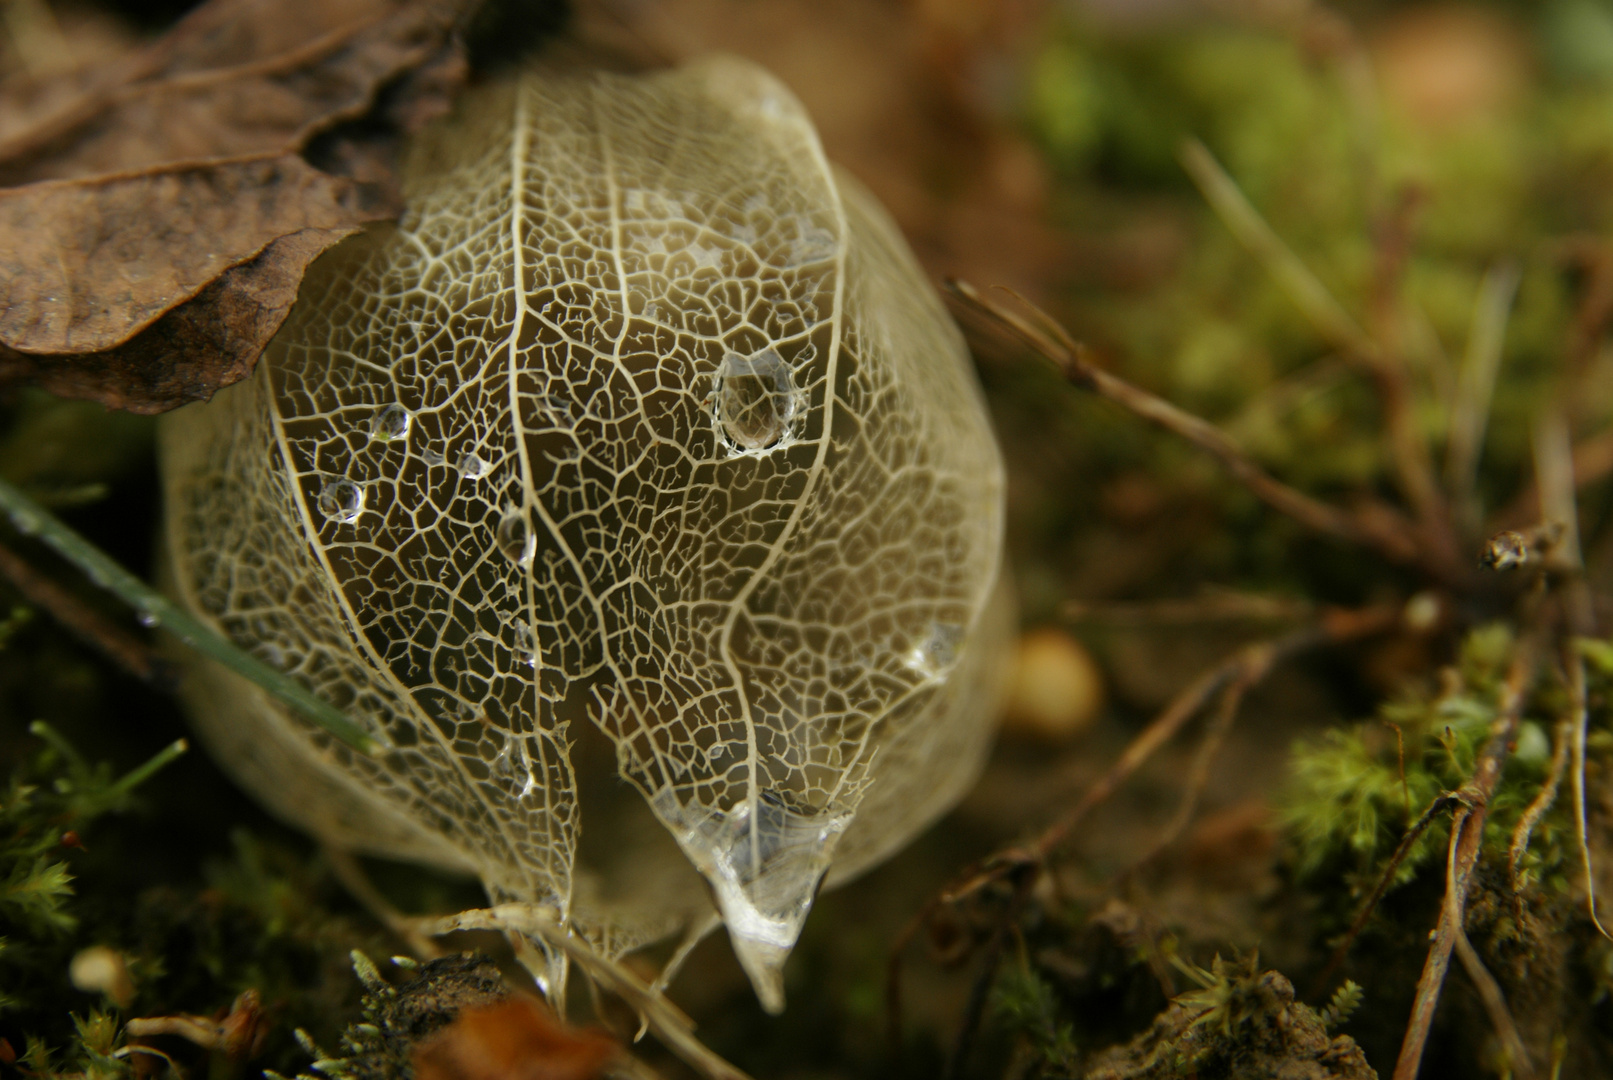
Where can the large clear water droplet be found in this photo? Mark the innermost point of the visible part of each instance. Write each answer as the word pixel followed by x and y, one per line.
pixel 764 863
pixel 935 655
pixel 390 424
pixel 341 500
pixel 516 539
pixel 472 466
pixel 755 402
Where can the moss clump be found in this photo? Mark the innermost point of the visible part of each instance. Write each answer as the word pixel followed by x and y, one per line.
pixel 1240 1022
pixel 252 923
pixel 398 1017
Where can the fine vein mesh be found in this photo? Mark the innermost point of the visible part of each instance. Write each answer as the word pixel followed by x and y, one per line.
pixel 642 419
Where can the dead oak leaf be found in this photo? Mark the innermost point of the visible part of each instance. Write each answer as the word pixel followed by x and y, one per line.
pixel 207 343
pixel 157 227
pixel 230 81
pixel 517 1039
pixel 78 274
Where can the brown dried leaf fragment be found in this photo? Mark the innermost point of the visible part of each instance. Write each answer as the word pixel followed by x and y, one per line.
pixel 159 223
pixel 209 342
pixel 88 264
pixel 235 78
pixel 516 1039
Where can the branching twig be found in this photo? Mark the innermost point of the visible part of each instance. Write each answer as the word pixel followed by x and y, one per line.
pixel 1248 667
pixel 1408 448
pixel 974 1012
pixel 1467 831
pixel 1215 734
pixel 1408 451
pixel 1025 864
pixel 1495 1003
pixel 1440 804
pixel 1383 529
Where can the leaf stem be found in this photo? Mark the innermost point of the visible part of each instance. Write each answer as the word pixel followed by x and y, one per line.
pixel 31 519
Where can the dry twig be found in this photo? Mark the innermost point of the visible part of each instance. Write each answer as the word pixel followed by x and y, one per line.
pixel 1408 451
pixel 1215 734
pixel 1440 804
pixel 1495 1004
pixel 1377 526
pixel 1024 865
pixel 1562 738
pixel 118 645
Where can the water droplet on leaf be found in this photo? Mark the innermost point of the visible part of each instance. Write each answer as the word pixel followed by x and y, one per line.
pixel 755 402
pixel 472 466
pixel 937 652
pixel 516 539
pixel 341 500
pixel 390 424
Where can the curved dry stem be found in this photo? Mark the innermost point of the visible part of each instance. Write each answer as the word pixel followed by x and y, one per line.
pixel 1385 879
pixel 1580 718
pixel 1467 832
pixel 1562 738
pixel 1215 735
pixel 1495 1004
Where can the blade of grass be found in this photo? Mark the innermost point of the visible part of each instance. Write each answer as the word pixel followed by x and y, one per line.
pixel 1314 300
pixel 155 609
pixel 1475 387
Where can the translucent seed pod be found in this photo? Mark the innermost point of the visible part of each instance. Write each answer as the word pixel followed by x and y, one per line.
pixel 722 518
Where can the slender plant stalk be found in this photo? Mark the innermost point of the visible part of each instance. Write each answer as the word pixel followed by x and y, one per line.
pixel 1313 299
pixel 1383 529
pixel 155 609
pixel 1475 389
pixel 1495 1003
pixel 1467 831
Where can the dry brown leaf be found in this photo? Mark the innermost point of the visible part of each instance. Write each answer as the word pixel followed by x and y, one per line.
pixel 234 78
pixel 200 346
pixel 516 1039
pixel 158 224
pixel 90 263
